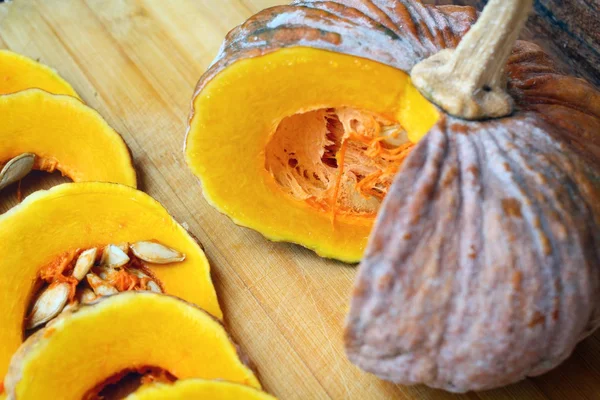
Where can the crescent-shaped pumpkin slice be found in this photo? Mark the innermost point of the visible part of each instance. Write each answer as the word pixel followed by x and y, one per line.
pixel 64 134
pixel 199 389
pixel 83 215
pixel 82 349
pixel 18 72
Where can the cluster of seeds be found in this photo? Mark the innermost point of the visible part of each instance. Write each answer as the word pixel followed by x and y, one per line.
pixel 81 276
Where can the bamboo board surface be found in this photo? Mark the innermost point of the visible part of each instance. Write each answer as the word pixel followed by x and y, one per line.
pixel 136 62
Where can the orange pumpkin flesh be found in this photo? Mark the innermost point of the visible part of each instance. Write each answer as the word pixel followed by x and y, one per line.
pixel 18 72
pixel 309 168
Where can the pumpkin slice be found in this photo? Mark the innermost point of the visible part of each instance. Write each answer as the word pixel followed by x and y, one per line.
pixel 83 348
pixel 64 134
pixel 18 72
pixel 312 167
pixel 199 389
pixel 83 215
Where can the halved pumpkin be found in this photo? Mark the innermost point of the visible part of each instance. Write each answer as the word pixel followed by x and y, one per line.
pixel 82 215
pixel 199 389
pixel 64 134
pixel 18 72
pixel 83 348
pixel 307 155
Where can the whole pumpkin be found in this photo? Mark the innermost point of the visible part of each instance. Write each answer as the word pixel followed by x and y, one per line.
pixel 484 263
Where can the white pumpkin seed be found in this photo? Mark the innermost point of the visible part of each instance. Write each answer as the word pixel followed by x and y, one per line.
pixel 86 295
pixel 105 273
pixel 150 284
pixel 153 287
pixel 99 286
pixel 84 263
pixel 70 306
pixel 394 135
pixel 156 253
pixel 124 246
pixel 113 256
pixel 16 169
pixel 48 304
pixel 137 273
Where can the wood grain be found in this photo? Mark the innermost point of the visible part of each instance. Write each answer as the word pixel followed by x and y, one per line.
pixel 136 62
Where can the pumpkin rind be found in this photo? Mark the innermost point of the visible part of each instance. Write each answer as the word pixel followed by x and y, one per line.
pixel 482 268
pixel 199 389
pixel 65 135
pixel 83 215
pixel 73 355
pixel 380 30
pixel 18 72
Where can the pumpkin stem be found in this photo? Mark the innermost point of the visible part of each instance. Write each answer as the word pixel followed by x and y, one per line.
pixel 469 81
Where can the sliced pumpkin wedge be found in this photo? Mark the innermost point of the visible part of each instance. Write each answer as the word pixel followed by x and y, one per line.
pixel 188 389
pixel 85 347
pixel 18 72
pixel 65 135
pixel 80 216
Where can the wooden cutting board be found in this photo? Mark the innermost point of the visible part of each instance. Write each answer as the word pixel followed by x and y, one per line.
pixel 136 62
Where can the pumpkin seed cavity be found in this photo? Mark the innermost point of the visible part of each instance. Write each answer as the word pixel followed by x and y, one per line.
pixel 338 160
pixel 81 276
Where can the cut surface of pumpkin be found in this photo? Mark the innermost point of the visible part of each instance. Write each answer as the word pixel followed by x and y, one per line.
pixel 85 347
pixel 188 389
pixel 18 72
pixel 65 135
pixel 312 167
pixel 75 216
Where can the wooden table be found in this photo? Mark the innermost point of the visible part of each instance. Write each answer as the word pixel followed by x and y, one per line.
pixel 136 62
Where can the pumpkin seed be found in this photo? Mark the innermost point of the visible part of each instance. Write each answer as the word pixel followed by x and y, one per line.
pixel 146 280
pixel 113 256
pixel 48 304
pixel 84 263
pixel 70 306
pixel 16 169
pixel 105 273
pixel 86 295
pixel 156 253
pixel 100 286
pixel 138 273
pixel 124 246
pixel 153 287
pixel 394 135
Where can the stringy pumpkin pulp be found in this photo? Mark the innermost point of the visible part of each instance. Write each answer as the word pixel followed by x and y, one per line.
pixel 338 160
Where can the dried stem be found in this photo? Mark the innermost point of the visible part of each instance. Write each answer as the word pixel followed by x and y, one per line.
pixel 469 81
